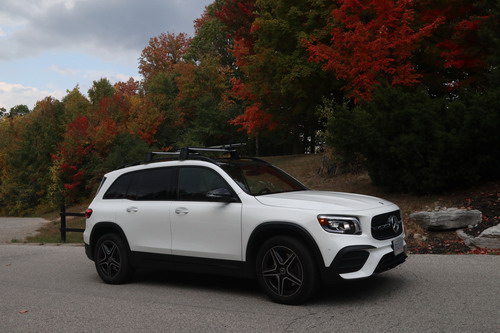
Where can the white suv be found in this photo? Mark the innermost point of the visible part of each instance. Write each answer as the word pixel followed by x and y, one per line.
pixel 240 217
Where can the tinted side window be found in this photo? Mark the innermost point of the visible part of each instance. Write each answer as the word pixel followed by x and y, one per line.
pixel 151 185
pixel 195 182
pixel 118 190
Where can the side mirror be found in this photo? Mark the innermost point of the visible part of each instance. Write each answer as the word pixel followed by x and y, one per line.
pixel 221 194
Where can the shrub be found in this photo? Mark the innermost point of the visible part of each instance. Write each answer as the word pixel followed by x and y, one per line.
pixel 418 143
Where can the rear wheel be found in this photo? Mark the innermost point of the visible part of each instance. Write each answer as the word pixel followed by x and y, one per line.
pixel 111 259
pixel 286 270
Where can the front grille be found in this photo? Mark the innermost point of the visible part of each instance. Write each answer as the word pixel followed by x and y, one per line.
pixel 388 225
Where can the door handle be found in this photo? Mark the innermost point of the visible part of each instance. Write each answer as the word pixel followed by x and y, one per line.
pixel 132 210
pixel 181 211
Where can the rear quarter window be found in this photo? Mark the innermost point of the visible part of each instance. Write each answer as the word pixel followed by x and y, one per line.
pixel 145 185
pixel 118 190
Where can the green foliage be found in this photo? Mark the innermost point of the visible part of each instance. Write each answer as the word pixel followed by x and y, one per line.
pixel 99 90
pixel 76 104
pixel 27 178
pixel 413 142
pixel 126 148
pixel 19 110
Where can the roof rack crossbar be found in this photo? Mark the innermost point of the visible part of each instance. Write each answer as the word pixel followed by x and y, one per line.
pixel 193 153
pixel 150 155
pixel 185 152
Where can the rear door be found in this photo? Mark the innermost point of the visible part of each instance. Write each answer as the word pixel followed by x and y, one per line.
pixel 144 213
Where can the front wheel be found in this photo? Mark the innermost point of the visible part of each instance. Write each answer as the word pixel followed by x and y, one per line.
pixel 286 271
pixel 111 260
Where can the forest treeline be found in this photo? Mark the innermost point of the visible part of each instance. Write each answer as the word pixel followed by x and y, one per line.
pixel 408 89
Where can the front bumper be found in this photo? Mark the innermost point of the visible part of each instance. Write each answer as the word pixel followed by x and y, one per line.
pixel 361 261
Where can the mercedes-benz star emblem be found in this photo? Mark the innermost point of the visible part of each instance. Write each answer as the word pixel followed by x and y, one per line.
pixel 394 222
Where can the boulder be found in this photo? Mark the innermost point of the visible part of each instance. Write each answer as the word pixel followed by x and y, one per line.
pixel 488 239
pixel 447 219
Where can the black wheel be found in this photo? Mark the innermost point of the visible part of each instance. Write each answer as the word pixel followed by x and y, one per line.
pixel 286 270
pixel 111 260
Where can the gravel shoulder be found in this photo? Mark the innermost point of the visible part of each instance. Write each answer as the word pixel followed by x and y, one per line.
pixel 18 228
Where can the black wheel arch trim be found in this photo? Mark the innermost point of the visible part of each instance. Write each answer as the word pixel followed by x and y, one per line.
pixel 100 229
pixel 267 230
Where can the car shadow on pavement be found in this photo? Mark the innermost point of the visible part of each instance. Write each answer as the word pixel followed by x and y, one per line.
pixel 223 284
pixel 362 290
pixel 342 292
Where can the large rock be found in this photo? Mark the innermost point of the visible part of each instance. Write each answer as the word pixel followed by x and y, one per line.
pixel 447 219
pixel 488 239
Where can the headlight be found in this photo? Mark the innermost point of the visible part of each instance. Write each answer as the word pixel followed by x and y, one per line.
pixel 340 224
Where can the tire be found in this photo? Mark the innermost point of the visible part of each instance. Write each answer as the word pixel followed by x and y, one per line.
pixel 111 259
pixel 286 271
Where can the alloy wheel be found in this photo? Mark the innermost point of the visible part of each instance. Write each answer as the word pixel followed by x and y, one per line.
pixel 109 259
pixel 282 271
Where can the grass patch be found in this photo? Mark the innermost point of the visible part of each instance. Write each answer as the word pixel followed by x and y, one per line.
pixel 50 233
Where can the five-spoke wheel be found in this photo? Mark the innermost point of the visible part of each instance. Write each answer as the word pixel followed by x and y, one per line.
pixel 286 270
pixel 111 259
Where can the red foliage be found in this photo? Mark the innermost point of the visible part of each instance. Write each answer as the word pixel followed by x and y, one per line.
pixel 237 16
pixel 72 152
pixel 127 89
pixel 462 51
pixel 253 118
pixel 373 41
pixel 162 53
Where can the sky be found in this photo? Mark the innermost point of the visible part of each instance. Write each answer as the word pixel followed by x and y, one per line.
pixel 48 47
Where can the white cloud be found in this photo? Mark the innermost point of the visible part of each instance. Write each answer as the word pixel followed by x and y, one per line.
pixel 15 94
pixel 104 28
pixel 91 75
pixel 48 46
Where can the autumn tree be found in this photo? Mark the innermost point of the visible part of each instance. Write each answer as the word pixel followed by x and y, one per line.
pixel 278 86
pixel 428 137
pixel 100 89
pixel 19 110
pixel 162 53
pixel 211 40
pixel 27 165
pixel 372 42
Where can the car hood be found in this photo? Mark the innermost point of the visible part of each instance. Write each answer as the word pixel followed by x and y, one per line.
pixel 322 201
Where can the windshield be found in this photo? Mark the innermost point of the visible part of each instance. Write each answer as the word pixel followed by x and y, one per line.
pixel 258 178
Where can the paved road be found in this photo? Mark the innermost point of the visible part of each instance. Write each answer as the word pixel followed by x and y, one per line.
pixel 60 291
pixel 18 228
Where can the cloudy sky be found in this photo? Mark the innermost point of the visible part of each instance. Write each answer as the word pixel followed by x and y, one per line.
pixel 50 46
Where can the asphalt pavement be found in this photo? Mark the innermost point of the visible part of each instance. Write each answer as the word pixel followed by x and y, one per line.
pixel 56 289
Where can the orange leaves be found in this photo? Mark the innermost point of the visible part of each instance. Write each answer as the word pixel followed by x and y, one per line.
pixel 373 40
pixel 143 119
pixel 162 53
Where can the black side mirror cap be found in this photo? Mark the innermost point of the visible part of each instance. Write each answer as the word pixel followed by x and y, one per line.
pixel 222 195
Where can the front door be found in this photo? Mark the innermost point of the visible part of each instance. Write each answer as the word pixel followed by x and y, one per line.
pixel 202 227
